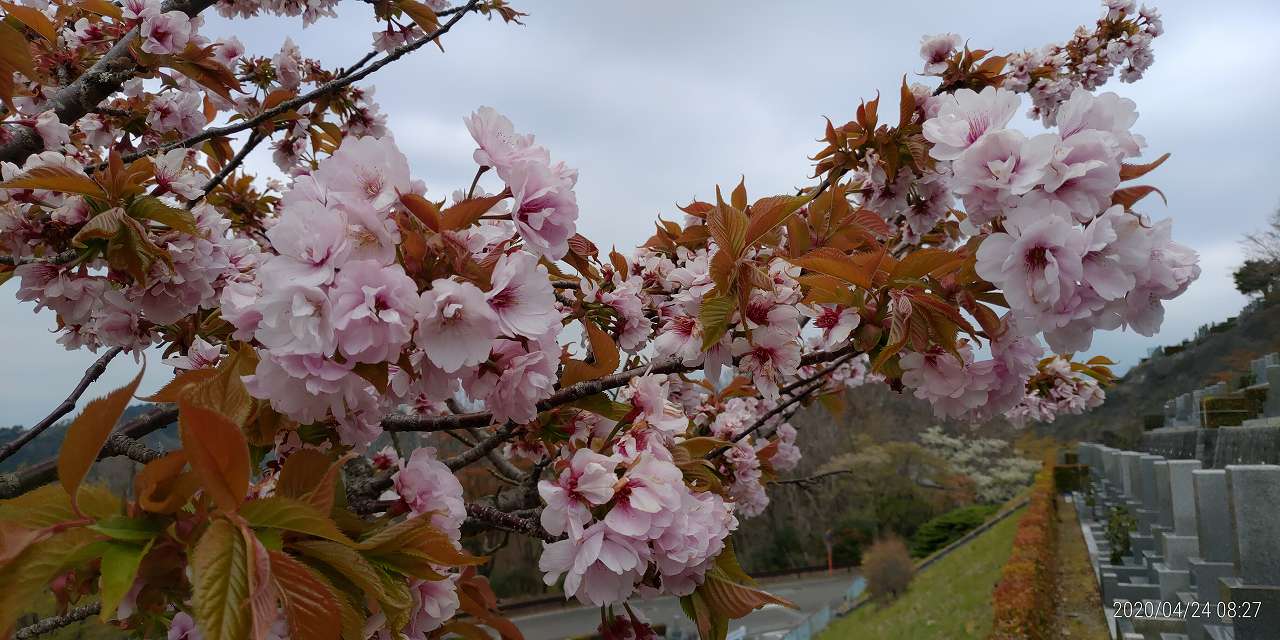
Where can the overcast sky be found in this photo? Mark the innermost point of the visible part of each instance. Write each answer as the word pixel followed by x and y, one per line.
pixel 656 102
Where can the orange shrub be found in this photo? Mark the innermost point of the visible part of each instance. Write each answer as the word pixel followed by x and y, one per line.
pixel 1023 601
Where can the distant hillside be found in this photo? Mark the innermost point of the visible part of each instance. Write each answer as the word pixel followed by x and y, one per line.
pixel 1221 355
pixel 45 445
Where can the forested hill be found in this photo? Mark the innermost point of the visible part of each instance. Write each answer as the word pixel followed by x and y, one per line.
pixel 1221 355
pixel 45 446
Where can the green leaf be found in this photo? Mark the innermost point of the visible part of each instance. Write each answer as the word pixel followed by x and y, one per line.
pixel 26 579
pixel 294 515
pixel 220 578
pixel 120 562
pixel 714 317
pixel 128 529
pixel 50 505
pixel 155 209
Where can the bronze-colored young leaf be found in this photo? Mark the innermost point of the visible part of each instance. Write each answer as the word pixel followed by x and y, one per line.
pixel 88 432
pixel 155 209
pixel 164 486
pixel 56 178
pixel 1129 196
pixel 468 212
pixel 26 578
pixel 1132 171
pixel 835 263
pixel 34 19
pixel 309 604
pixel 768 214
pixel 605 358
pixel 218 453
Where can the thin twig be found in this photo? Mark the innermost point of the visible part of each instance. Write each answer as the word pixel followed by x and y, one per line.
pixel 816 381
pixel 45 625
pixel 572 393
pixel 61 257
pixel 324 89
pixel 254 140
pixel 90 375
pixel 486 517
pixel 813 478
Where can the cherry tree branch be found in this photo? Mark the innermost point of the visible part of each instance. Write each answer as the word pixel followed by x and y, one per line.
pixel 53 623
pixel 573 393
pixel 20 482
pixel 332 86
pixel 57 258
pixel 483 516
pixel 806 481
pixel 91 374
pixel 104 78
pixel 254 140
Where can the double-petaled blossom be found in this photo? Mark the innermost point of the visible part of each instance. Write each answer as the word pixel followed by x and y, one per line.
pixel 373 309
pixel 836 322
pixel 767 358
pixel 936 49
pixel 587 482
pixel 165 33
pixel 600 567
pixel 200 355
pixel 428 486
pixel 964 116
pixel 434 603
pixel 522 296
pixel 456 326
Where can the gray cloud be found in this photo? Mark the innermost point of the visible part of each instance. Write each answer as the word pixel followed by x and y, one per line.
pixel 657 102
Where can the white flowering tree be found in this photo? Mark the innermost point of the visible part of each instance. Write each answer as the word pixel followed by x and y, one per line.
pixel 998 473
pixel 638 402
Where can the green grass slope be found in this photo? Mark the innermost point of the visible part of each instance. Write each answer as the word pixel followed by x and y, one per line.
pixel 950 600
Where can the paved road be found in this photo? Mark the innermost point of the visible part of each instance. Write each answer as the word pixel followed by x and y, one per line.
pixel 810 594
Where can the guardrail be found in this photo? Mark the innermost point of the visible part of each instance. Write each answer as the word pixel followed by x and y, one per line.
pixel 818 620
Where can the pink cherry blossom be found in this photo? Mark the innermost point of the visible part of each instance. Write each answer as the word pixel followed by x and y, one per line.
pixel 588 481
pixel 165 33
pixel 183 627
pixel 52 132
pixel 434 603
pixel 836 322
pixel 201 355
pixel 599 568
pixel 1035 266
pixel 936 49
pixel 500 146
pixel 456 326
pixel 522 296
pixel 519 377
pixel 544 207
pixel 366 170
pixel 964 116
pixel 646 498
pixel 373 308
pixel 681 336
pixel 427 485
pixel 772 355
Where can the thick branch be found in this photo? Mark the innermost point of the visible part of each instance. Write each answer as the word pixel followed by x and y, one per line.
pixel 104 78
pixel 54 623
pixel 324 89
pixel 486 517
pixel 482 448
pixel 90 375
pixel 17 483
pixel 119 444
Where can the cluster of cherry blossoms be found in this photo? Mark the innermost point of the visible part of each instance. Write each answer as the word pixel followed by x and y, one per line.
pixel 1065 391
pixel 334 301
pixel 1068 261
pixel 96 307
pixel 1121 41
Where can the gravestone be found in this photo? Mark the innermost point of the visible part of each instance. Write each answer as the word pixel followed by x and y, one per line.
pixel 1215 542
pixel 1255 494
pixel 1272 407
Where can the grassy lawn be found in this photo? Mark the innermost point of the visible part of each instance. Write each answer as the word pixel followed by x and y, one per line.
pixel 950 600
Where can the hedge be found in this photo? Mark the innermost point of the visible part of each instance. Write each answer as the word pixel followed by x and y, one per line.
pixel 1023 601
pixel 949 527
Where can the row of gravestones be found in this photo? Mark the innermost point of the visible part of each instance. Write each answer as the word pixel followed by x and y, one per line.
pixel 1187 410
pixel 1204 551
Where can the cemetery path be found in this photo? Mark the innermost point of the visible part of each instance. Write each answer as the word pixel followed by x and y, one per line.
pixel 1079 613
